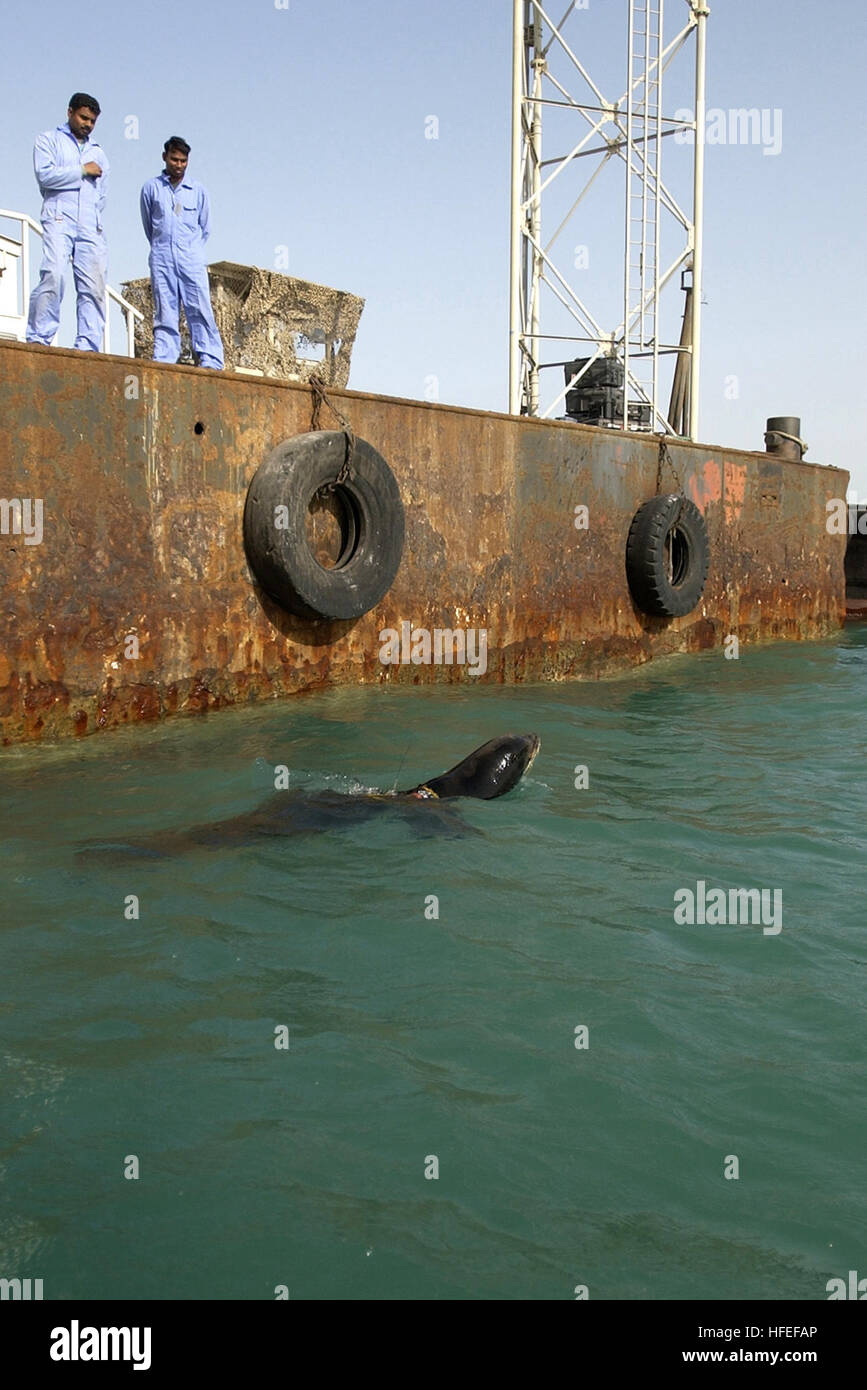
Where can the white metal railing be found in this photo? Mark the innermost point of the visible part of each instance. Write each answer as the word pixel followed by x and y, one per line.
pixel 131 313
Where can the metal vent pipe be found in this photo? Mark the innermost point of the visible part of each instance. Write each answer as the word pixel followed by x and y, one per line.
pixel 783 437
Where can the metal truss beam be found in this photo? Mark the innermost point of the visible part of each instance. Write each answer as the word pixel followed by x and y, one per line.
pixel 631 130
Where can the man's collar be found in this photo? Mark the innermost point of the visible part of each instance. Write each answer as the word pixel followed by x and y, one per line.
pixel 67 130
pixel 184 183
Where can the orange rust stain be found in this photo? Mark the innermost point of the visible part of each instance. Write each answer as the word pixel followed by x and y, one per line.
pixel 706 485
pixel 736 487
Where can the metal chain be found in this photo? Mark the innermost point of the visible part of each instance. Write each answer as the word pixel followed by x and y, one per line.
pixel 320 395
pixel 665 457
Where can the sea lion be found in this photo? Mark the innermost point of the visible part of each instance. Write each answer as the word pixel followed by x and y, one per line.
pixel 490 771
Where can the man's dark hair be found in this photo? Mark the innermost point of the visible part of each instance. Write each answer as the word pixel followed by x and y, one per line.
pixel 176 143
pixel 79 99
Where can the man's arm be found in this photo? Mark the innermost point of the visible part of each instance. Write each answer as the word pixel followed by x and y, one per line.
pixel 51 175
pixel 204 214
pixel 144 204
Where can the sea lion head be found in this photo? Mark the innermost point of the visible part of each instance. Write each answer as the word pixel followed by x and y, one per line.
pixel 489 771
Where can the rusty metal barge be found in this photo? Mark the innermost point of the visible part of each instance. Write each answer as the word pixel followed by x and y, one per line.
pixel 134 598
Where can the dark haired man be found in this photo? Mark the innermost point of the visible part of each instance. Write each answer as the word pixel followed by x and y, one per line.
pixel 72 172
pixel 176 217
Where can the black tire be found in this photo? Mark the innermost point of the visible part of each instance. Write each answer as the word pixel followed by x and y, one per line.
pixel 372 536
pixel 667 556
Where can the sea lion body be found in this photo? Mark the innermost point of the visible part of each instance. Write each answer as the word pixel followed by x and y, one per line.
pixel 488 772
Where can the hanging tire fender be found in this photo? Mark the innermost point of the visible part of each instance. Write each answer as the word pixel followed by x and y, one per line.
pixel 667 556
pixel 372 529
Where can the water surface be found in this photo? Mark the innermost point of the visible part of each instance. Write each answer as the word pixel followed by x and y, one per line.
pixel 413 1037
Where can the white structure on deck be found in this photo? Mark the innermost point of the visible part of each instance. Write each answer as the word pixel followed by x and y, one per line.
pixel 547 72
pixel 15 286
pixel 11 322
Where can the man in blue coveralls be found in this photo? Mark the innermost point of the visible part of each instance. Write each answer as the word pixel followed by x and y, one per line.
pixel 72 171
pixel 176 217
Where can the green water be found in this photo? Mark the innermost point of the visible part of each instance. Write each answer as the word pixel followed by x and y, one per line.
pixel 411 1037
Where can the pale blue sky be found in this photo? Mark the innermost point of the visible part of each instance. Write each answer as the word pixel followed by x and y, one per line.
pixel 308 129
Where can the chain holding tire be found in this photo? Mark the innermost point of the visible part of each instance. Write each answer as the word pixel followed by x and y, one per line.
pixel 664 457
pixel 320 396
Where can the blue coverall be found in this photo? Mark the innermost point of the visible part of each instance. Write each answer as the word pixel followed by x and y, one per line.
pixel 72 210
pixel 176 220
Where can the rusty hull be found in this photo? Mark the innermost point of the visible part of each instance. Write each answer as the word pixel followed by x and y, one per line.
pixel 143 468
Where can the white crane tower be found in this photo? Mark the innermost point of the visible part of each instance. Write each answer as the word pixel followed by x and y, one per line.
pixel 548 77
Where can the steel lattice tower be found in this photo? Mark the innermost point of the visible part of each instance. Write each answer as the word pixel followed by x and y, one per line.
pixel 633 129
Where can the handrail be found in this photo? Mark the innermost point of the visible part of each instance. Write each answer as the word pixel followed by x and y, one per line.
pixel 21 217
pixel 131 313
